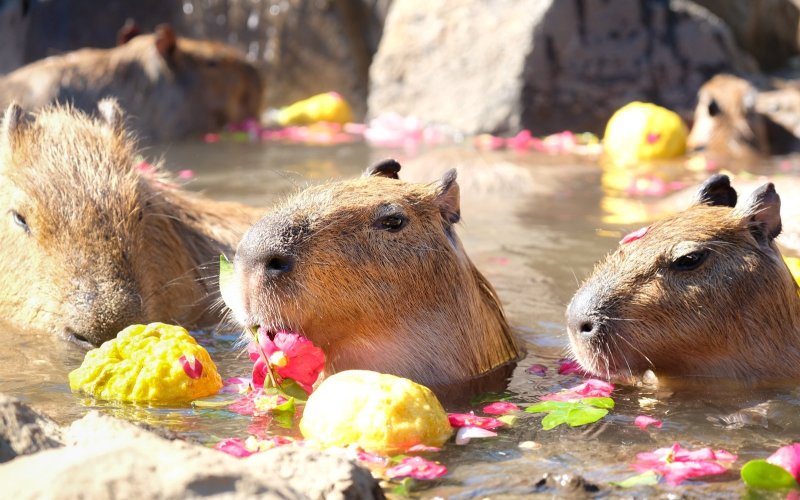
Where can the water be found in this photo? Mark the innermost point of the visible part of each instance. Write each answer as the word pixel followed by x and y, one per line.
pixel 534 225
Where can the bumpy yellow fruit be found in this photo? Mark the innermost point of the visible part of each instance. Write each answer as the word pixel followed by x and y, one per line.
pixel 643 131
pixel 327 107
pixel 793 263
pixel 378 412
pixel 155 363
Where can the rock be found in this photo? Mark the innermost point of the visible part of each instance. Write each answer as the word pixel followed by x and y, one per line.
pixel 766 29
pixel 544 65
pixel 23 430
pixel 110 458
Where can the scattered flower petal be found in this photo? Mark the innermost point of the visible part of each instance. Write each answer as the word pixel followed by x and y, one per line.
pixel 237 385
pixel 642 421
pixel 418 468
pixel 185 174
pixel 570 366
pixel 592 388
pixel 234 447
pixel 423 448
pixel 471 420
pixel 370 458
pixel 191 366
pixel 211 138
pixel 537 369
pixel 500 408
pixel 464 434
pixel 677 464
pixel 636 235
pixel 788 458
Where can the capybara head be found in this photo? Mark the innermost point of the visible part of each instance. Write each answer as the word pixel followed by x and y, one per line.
pixel 89 244
pixel 199 85
pixel 726 122
pixel 372 271
pixel 701 293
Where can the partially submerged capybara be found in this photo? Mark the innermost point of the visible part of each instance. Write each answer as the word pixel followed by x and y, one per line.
pixel 90 245
pixel 171 86
pixel 703 293
pixel 736 120
pixel 372 271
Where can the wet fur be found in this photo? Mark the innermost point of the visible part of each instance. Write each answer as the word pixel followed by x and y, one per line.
pixel 409 303
pixel 106 246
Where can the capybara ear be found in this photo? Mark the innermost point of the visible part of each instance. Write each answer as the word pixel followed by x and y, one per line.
pixel 763 210
pixel 111 113
pixel 12 120
pixel 128 31
pixel 166 41
pixel 384 168
pixel 717 192
pixel 448 197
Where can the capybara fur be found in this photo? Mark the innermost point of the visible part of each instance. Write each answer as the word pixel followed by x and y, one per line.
pixel 91 245
pixel 171 86
pixel 372 271
pixel 736 120
pixel 703 293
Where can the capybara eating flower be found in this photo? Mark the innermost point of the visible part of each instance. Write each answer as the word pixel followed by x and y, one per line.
pixel 372 271
pixel 91 245
pixel 704 293
pixel 171 86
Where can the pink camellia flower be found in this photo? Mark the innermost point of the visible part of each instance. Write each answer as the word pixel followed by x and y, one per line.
pixel 642 421
pixel 500 408
pixel 636 235
pixel 570 366
pixel 788 458
pixel 235 447
pixel 256 403
pixel 677 464
pixel 418 468
pixel 291 356
pixel 592 388
pixel 471 420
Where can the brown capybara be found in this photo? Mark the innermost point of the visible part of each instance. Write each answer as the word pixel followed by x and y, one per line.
pixel 703 293
pixel 172 86
pixel 372 271
pixel 735 120
pixel 90 245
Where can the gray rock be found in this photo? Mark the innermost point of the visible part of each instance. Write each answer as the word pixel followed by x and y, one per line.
pixel 544 65
pixel 23 430
pixel 110 458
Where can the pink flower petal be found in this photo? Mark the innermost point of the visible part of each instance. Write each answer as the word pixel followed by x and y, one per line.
pixel 418 468
pixel 592 388
pixel 570 366
pixel 653 138
pixel 537 369
pixel 464 434
pixel 636 235
pixel 302 361
pixel 236 385
pixel 191 366
pixel 500 408
pixel 642 421
pixel 371 458
pixel 211 138
pixel 423 448
pixel 788 458
pixel 185 174
pixel 233 446
pixel 677 464
pixel 470 420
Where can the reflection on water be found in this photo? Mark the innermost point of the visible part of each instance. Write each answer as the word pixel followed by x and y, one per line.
pixel 534 225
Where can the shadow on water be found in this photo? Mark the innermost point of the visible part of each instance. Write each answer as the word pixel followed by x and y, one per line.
pixel 534 225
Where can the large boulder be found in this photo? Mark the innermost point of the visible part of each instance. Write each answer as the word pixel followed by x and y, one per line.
pixel 544 65
pixel 766 29
pixel 23 430
pixel 109 458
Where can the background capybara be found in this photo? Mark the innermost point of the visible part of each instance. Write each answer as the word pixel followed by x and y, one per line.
pixel 90 245
pixel 371 270
pixel 735 120
pixel 702 293
pixel 171 86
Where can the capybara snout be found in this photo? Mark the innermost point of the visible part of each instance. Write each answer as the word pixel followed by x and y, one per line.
pixel 371 270
pixel 702 293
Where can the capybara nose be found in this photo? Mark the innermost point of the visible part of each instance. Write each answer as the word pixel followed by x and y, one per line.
pixel 582 317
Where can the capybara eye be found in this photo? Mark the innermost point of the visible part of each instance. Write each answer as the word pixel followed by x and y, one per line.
pixel 689 261
pixel 713 108
pixel 392 223
pixel 20 220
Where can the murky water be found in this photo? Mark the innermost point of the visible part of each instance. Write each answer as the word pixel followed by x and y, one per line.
pixel 534 225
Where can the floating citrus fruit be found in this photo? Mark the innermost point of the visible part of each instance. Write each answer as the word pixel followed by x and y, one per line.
pixel 643 131
pixel 378 412
pixel 155 363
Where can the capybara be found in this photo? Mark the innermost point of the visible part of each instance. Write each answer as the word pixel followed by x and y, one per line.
pixel 91 245
pixel 372 271
pixel 703 293
pixel 735 120
pixel 171 86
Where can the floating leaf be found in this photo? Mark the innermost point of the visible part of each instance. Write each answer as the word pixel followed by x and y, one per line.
pixel 291 389
pixel 764 475
pixel 648 478
pixel 283 414
pixel 225 272
pixel 404 488
pixel 573 413
pixel 199 403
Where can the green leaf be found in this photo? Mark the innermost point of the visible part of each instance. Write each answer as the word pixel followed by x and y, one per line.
pixel 490 397
pixel 585 415
pixel 648 478
pixel 199 403
pixel 225 272
pixel 572 413
pixel 606 403
pixel 545 406
pixel 764 475
pixel 283 414
pixel 292 389
pixel 404 488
